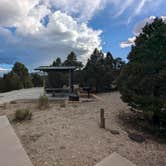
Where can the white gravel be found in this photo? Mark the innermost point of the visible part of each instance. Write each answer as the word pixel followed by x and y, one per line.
pixel 32 93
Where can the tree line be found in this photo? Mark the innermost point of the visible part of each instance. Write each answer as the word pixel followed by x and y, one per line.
pixel 98 73
pixel 19 78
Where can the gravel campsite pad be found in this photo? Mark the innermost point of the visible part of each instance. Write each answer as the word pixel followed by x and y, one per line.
pixel 71 136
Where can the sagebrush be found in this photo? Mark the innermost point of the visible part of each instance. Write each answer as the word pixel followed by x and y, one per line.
pixel 43 102
pixel 23 114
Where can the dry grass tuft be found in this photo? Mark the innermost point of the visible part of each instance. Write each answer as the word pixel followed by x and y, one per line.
pixel 43 102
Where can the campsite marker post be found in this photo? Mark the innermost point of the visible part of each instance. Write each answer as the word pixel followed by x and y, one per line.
pixel 102 118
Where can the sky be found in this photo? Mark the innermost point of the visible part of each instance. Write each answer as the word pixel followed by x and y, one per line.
pixel 35 32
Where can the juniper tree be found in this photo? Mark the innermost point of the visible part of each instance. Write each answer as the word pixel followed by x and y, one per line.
pixel 142 81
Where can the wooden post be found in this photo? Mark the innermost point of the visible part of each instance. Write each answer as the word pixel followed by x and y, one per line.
pixel 102 119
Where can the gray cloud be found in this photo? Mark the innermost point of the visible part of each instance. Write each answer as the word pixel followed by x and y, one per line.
pixel 35 44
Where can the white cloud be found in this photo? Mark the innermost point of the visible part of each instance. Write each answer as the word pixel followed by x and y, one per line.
pixel 138 29
pixel 61 35
pixel 134 8
pixel 32 41
pixel 84 10
pixel 14 11
pixel 140 6
pixel 128 43
pixel 144 6
pixel 67 29
pixel 123 7
pixel 31 24
pixel 3 69
pixel 163 18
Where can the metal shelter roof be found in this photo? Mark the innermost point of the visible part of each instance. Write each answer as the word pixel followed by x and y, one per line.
pixel 55 68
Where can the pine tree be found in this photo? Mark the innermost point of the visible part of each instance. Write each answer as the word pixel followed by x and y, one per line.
pixel 99 72
pixel 72 61
pixel 57 62
pixel 22 72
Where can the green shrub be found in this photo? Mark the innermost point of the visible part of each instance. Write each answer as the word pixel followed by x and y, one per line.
pixel 23 114
pixel 43 102
pixel 37 80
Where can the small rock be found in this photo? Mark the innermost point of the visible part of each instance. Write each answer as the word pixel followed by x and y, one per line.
pixel 51 134
pixel 108 140
pixel 50 149
pixel 136 137
pixel 45 163
pixel 62 147
pixel 72 157
pixel 115 132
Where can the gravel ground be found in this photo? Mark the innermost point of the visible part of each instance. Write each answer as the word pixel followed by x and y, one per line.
pixel 70 135
pixel 32 93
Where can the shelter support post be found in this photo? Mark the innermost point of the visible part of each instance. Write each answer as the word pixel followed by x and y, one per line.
pixel 71 80
pixel 44 82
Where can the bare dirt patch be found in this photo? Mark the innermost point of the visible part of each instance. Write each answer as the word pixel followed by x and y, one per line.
pixel 69 135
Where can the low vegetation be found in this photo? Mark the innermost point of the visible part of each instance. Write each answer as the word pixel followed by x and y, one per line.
pixel 22 114
pixel 43 102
